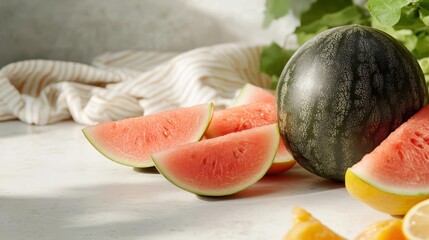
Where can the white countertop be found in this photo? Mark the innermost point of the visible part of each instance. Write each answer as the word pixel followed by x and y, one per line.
pixel 55 185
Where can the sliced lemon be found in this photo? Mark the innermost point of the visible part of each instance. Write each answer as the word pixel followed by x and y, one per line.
pixel 383 230
pixel 306 227
pixel 416 222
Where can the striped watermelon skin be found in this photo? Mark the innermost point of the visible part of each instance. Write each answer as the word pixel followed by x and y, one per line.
pixel 342 93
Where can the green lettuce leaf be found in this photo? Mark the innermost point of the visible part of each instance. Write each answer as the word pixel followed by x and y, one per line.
pixel 321 7
pixel 422 46
pixel 275 9
pixel 410 18
pixel 348 15
pixel 273 60
pixel 405 36
pixel 424 64
pixel 388 13
pixel 405 20
pixel 424 12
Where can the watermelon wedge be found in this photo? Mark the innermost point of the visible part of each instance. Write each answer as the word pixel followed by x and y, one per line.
pixel 131 141
pixel 220 166
pixel 253 107
pixel 240 118
pixel 253 94
pixel 397 169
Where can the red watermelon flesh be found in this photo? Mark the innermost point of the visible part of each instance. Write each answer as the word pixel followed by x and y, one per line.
pixel 131 141
pixel 241 118
pixel 223 165
pixel 253 107
pixel 400 164
pixel 253 94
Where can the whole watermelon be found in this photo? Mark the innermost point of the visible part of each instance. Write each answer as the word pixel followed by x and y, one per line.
pixel 342 93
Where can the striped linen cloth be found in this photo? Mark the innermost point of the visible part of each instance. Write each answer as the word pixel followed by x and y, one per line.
pixel 126 84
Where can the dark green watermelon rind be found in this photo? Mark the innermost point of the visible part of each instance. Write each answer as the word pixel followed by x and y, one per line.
pixel 330 159
pixel 147 164
pixel 404 192
pixel 229 191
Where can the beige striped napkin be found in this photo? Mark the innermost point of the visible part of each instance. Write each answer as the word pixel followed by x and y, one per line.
pixel 126 84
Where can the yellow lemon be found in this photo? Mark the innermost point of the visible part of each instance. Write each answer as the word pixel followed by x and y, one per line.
pixel 384 230
pixel 306 227
pixel 376 198
pixel 416 222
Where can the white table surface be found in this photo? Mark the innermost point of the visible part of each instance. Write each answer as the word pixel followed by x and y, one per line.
pixel 55 185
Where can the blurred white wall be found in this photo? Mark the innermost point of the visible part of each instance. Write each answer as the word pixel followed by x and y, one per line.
pixel 79 30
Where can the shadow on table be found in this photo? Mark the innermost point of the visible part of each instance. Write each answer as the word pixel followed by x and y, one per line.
pixel 297 181
pixel 149 170
pixel 137 210
pixel 114 211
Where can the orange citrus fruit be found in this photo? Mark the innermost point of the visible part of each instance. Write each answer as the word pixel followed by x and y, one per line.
pixel 383 230
pixel 307 227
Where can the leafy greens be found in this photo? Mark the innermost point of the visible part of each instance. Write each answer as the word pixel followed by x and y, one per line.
pixel 405 20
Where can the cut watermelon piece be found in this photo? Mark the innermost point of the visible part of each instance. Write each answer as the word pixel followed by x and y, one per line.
pixel 253 94
pixel 254 107
pixel 283 160
pixel 240 118
pixel 131 141
pixel 220 166
pixel 400 164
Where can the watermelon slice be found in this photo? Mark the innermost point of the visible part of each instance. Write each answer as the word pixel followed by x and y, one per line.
pixel 131 141
pixel 220 166
pixel 253 94
pixel 398 167
pixel 253 107
pixel 240 118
